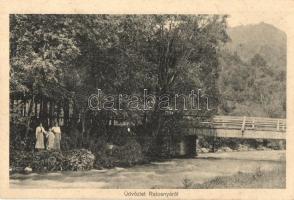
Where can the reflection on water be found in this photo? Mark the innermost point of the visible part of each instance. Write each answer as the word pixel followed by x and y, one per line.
pixel 167 174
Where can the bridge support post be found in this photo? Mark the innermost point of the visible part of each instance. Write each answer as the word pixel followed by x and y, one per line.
pixel 196 145
pixel 213 143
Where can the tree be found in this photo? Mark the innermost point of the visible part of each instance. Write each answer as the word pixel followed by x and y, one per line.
pixel 42 48
pixel 68 57
pixel 178 52
pixel 252 88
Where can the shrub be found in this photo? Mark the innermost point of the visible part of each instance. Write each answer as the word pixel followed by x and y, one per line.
pixel 123 156
pixel 47 161
pixel 129 154
pixel 18 140
pixel 20 159
pixel 43 161
pixel 239 144
pixel 79 159
pixel 276 144
pixel 187 183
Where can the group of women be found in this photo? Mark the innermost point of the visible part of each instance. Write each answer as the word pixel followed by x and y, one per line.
pixel 53 136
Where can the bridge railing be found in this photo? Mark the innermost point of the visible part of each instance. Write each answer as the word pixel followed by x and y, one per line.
pixel 242 123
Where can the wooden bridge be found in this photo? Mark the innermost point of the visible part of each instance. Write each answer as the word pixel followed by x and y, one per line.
pixel 237 127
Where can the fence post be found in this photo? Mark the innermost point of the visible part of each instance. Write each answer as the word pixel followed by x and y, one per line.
pixel 243 124
pixel 278 125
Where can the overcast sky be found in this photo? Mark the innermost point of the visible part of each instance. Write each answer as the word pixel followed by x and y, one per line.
pixel 241 19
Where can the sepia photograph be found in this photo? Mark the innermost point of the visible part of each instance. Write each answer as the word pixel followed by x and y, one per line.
pixel 147 101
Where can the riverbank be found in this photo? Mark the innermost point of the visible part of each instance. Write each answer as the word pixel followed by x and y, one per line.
pixel 259 179
pixel 167 174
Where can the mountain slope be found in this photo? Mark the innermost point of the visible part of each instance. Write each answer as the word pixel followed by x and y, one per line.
pixel 263 39
pixel 252 80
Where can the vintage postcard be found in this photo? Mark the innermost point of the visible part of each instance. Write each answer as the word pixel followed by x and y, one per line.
pixel 147 99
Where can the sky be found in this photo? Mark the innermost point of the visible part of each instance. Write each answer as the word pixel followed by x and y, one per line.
pixel 241 19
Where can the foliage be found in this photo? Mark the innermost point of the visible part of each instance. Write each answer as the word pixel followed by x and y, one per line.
pixel 67 57
pixel 44 161
pixel 20 159
pixel 18 140
pixel 47 161
pixel 187 183
pixel 252 81
pixel 42 48
pixel 240 144
pixel 78 160
pixel 126 155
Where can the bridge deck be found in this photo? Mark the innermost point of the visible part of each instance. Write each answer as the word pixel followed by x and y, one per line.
pixel 238 127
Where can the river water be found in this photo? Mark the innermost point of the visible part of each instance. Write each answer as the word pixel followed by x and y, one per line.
pixel 168 174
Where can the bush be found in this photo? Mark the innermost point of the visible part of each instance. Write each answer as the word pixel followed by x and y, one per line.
pixel 18 140
pixel 43 161
pixel 123 156
pixel 20 159
pixel 78 160
pixel 129 154
pixel 118 135
pixel 240 144
pixel 276 144
pixel 187 183
pixel 48 161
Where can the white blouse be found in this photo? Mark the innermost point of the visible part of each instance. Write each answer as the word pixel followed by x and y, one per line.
pixel 39 130
pixel 56 129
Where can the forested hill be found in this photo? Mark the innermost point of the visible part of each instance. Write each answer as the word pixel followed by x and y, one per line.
pixel 263 39
pixel 253 72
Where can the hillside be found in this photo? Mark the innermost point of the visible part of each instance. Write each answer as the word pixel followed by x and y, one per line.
pixel 263 39
pixel 252 79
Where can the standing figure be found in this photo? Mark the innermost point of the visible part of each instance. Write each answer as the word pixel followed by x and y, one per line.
pixel 56 130
pixel 51 140
pixel 40 137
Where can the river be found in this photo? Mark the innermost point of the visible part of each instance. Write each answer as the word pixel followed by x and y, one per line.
pixel 168 174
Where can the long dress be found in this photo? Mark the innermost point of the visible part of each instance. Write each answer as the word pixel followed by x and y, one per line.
pixel 51 140
pixel 57 132
pixel 40 138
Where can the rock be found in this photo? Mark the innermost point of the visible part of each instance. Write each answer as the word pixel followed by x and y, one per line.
pixel 204 150
pixel 109 146
pixel 242 147
pixel 227 149
pixel 260 148
pixel 17 170
pixel 263 148
pixel 28 170
pixel 198 150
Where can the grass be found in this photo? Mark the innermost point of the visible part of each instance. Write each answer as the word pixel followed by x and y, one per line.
pixel 259 179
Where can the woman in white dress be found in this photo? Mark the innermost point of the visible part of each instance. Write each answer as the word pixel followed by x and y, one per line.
pixel 51 140
pixel 40 137
pixel 57 132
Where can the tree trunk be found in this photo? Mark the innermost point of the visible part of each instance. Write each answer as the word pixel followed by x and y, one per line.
pixel 29 116
pixel 83 120
pixel 41 109
pixel 23 106
pixel 11 107
pixel 36 108
pixel 51 112
pixel 45 111
pixel 66 113
pixel 58 111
